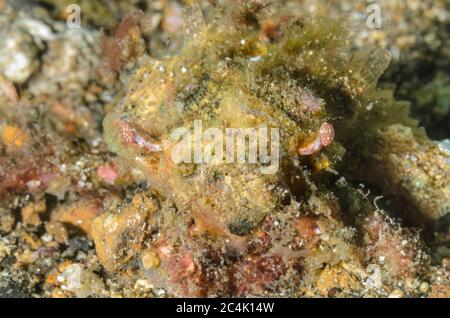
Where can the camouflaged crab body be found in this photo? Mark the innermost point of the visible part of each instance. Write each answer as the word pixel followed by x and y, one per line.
pixel 165 95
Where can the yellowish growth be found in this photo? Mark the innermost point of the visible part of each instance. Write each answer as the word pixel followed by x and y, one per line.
pixel 13 136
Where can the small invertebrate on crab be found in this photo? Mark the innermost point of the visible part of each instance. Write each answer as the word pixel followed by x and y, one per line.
pixel 324 137
pixel 132 136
